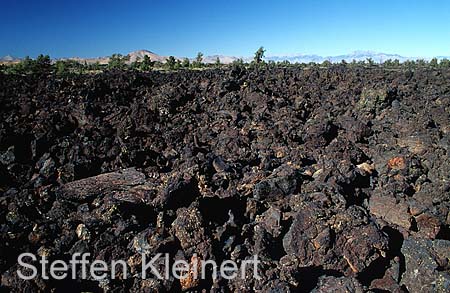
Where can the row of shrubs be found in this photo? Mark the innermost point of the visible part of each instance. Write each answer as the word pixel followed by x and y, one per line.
pixel 44 65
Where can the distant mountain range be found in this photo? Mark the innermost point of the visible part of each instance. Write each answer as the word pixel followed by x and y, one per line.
pixel 300 58
pixel 357 56
pixel 9 58
pixel 140 54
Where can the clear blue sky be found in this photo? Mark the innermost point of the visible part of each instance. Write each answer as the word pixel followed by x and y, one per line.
pixel 83 28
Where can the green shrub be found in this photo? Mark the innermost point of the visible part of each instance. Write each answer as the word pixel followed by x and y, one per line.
pixel 171 62
pixel 117 61
pixel 198 63
pixel 146 64
pixel 259 55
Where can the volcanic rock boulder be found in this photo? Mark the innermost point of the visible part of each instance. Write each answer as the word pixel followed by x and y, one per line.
pixel 340 285
pixel 426 265
pixel 125 185
pixel 347 241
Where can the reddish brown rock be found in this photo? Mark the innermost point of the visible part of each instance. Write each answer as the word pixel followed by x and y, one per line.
pixel 391 210
pixel 428 226
pixel 118 183
pixel 397 163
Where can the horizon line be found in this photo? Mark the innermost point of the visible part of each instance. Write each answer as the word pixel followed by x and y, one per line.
pixel 272 55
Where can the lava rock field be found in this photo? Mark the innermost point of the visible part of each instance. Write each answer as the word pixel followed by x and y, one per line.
pixel 337 178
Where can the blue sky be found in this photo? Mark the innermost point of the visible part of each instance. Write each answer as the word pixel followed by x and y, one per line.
pixel 84 28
